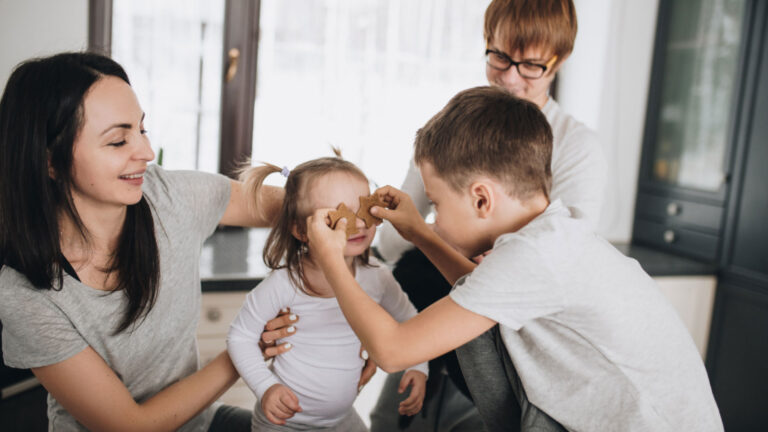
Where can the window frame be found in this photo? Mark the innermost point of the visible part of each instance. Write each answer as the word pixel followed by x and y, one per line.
pixel 238 95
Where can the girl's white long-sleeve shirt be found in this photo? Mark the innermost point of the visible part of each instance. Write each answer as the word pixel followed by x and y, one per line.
pixel 323 367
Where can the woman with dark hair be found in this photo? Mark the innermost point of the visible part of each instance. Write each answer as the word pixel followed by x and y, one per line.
pixel 99 252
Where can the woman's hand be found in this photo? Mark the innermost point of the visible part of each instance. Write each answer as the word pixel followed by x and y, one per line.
pixel 279 327
pixel 401 212
pixel 324 241
pixel 279 404
pixel 369 369
pixel 418 383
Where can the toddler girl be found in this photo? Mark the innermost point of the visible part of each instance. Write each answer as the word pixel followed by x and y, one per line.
pixel 313 385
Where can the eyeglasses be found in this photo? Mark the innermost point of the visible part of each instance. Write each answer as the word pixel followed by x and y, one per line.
pixel 501 62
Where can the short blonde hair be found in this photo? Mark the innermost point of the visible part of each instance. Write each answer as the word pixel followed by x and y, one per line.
pixel 516 25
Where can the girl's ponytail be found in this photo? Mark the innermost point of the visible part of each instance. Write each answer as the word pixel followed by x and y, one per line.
pixel 253 179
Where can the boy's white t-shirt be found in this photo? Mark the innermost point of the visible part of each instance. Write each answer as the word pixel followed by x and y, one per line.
pixel 578 177
pixel 595 343
pixel 323 367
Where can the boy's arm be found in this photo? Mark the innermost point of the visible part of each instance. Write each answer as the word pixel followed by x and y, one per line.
pixel 404 216
pixel 440 328
pixel 396 303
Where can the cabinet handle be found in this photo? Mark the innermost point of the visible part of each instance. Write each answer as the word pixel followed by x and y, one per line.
pixel 669 236
pixel 213 314
pixel 673 209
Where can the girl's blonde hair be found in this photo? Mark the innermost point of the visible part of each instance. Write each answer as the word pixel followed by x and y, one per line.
pixel 282 249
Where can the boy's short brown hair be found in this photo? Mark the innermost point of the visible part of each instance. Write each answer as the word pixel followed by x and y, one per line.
pixel 487 131
pixel 515 25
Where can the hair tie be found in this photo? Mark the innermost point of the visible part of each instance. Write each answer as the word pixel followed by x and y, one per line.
pixel 285 171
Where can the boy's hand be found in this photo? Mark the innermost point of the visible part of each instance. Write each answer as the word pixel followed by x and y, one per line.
pixel 402 213
pixel 279 404
pixel 324 241
pixel 418 382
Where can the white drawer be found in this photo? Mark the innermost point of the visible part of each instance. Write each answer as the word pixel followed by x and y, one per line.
pixel 693 298
pixel 210 347
pixel 218 311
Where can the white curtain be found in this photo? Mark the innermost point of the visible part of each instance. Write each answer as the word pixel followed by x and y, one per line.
pixel 360 75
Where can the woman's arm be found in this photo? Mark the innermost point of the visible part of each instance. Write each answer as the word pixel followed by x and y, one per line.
pixel 89 390
pixel 238 212
pixel 579 173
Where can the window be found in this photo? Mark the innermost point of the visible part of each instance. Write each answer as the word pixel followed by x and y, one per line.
pixel 361 75
pixel 172 51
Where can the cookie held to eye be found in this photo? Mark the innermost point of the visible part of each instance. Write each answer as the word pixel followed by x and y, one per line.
pixel 342 211
pixel 364 212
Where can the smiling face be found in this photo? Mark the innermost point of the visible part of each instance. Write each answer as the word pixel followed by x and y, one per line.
pixel 534 90
pixel 111 151
pixel 331 189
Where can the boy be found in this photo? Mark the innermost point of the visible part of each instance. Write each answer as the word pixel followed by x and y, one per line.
pixel 527 42
pixel 595 344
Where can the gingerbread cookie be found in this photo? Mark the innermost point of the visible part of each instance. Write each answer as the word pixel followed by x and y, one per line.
pixel 364 212
pixel 342 211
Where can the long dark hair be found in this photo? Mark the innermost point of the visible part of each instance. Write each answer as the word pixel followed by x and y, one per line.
pixel 282 249
pixel 41 113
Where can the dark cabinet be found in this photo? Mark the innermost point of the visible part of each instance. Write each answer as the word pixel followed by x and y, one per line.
pixel 715 209
pixel 737 358
pixel 691 125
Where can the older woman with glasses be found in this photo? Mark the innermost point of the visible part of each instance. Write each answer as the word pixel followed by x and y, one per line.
pixel 526 44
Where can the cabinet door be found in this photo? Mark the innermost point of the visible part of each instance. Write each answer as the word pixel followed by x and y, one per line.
pixel 738 357
pixel 696 77
pixel 747 230
pixel 693 118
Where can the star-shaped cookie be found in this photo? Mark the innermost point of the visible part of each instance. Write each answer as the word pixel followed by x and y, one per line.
pixel 342 211
pixel 364 212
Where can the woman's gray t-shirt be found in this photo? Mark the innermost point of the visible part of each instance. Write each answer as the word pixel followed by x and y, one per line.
pixel 44 327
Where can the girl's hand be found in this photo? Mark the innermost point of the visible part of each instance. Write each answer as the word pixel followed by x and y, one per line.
pixel 279 327
pixel 402 213
pixel 324 241
pixel 418 383
pixel 279 404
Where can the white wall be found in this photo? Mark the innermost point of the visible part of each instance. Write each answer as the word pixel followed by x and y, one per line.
pixel 605 85
pixel 30 28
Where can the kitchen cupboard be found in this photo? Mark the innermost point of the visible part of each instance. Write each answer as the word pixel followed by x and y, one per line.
pixel 702 188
